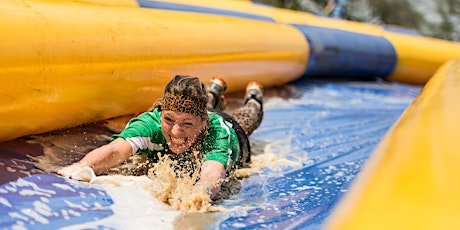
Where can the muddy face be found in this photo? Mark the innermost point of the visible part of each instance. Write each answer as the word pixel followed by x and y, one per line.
pixel 181 130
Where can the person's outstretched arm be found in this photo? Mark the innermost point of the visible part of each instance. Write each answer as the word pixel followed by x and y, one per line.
pixel 108 156
pixel 211 176
pixel 102 158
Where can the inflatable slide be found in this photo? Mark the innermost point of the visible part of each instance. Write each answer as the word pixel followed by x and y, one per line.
pixel 58 56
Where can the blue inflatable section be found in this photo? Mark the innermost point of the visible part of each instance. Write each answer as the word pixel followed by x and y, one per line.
pixel 325 130
pixel 200 9
pixel 334 53
pixel 344 54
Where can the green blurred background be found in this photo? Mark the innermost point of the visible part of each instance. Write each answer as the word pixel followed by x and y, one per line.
pixel 432 18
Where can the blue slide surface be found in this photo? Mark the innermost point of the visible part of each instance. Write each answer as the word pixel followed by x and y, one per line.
pixel 325 129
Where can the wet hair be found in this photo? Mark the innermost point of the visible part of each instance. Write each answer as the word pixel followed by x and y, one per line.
pixel 185 94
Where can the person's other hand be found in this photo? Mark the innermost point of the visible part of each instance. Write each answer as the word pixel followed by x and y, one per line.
pixel 78 171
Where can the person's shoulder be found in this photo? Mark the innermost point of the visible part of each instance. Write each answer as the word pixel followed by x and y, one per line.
pixel 215 117
pixel 219 119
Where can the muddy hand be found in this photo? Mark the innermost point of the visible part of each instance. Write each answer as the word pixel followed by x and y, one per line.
pixel 78 171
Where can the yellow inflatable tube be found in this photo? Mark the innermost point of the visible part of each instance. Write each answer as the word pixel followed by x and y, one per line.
pixel 420 57
pixel 417 57
pixel 411 181
pixel 65 63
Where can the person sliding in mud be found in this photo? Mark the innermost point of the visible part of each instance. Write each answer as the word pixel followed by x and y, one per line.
pixel 186 124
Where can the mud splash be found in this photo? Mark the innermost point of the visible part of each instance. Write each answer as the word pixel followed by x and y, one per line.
pixel 162 179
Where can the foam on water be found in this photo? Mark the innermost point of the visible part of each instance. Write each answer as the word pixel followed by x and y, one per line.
pixel 133 207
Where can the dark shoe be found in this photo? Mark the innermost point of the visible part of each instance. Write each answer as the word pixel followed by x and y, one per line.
pixel 254 93
pixel 216 90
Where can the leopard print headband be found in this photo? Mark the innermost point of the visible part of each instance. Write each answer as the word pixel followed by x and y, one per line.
pixel 185 104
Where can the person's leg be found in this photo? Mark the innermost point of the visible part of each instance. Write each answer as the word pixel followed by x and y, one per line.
pixel 247 118
pixel 250 115
pixel 216 89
